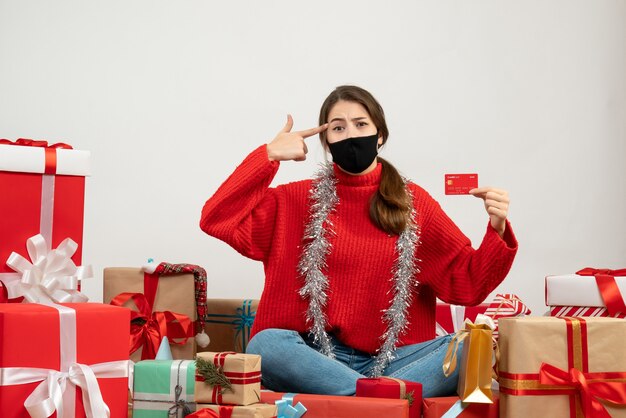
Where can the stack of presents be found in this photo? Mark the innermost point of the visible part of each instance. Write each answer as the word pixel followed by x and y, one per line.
pixel 157 347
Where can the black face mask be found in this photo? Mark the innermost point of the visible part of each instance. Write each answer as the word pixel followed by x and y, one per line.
pixel 354 155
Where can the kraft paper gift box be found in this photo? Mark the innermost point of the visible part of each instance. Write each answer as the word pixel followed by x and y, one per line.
pixel 562 367
pixel 76 339
pixel 257 410
pixel 174 293
pixel 228 324
pixel 43 189
pixel 589 292
pixel 228 378
pixel 451 318
pixel 452 405
pixel 392 388
pixel 164 388
pixel 323 406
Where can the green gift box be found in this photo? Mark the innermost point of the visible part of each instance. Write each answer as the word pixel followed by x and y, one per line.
pixel 163 388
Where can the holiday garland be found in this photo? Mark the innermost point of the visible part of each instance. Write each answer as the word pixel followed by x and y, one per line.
pixel 323 201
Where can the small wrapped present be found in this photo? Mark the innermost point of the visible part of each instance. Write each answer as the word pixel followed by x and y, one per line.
pixel 78 367
pixel 392 388
pixel 323 406
pixel 451 318
pixel 164 388
pixel 228 324
pixel 228 378
pixel 562 367
pixel 162 297
pixel 256 410
pixel 476 360
pixel 505 305
pixel 451 406
pixel 589 288
pixel 43 187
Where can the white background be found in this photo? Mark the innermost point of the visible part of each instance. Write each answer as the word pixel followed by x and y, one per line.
pixel 169 96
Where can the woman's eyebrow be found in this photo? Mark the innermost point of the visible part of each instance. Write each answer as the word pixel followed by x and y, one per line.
pixel 340 119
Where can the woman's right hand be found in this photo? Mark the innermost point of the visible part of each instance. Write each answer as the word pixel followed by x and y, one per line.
pixel 290 145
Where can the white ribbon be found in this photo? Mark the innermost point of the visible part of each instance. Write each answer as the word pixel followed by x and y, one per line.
pixel 52 393
pixel 50 276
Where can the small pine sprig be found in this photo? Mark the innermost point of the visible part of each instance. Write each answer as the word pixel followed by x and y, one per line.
pixel 410 396
pixel 212 375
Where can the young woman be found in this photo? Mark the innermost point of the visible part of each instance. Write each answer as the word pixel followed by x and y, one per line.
pixel 354 258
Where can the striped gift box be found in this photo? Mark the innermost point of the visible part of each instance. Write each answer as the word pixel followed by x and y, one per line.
pixel 505 305
pixel 588 311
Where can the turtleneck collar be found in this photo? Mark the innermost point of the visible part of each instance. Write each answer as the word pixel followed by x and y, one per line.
pixel 370 179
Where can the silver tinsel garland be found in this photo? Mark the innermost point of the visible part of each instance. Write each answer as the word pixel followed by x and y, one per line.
pixel 324 200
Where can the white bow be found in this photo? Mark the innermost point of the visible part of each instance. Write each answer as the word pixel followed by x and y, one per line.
pixel 50 276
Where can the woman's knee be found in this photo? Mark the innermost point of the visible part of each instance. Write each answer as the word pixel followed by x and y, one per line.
pixel 272 340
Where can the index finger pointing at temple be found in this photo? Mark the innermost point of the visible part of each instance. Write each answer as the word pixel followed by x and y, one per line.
pixel 313 131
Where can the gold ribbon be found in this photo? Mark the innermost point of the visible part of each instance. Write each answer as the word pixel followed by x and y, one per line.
pixel 400 382
pixel 450 359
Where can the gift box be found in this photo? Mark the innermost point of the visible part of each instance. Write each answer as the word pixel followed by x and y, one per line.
pixel 257 410
pixel 451 318
pixel 167 308
pixel 228 323
pixel 323 406
pixel 584 311
pixel 438 407
pixel 505 305
pixel 562 367
pixel 228 378
pixel 392 388
pixel 87 341
pixel 589 288
pixel 44 188
pixel 164 388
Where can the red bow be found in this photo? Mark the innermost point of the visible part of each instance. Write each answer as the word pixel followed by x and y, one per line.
pixel 155 326
pixel 25 142
pixel 590 391
pixel 204 413
pixel 605 279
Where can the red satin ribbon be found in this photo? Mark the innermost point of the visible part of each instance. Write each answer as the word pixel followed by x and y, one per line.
pixel 204 413
pixel 605 279
pixel 4 294
pixel 157 325
pixel 590 391
pixel 50 166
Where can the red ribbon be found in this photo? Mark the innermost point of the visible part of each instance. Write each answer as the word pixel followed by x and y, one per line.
pixel 4 294
pixel 590 391
pixel 156 326
pixel 50 151
pixel 605 279
pixel 204 413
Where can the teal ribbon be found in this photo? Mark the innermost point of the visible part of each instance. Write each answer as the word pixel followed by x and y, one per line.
pixel 455 410
pixel 286 408
pixel 242 322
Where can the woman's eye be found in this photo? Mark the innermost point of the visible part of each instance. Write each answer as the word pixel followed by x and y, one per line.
pixel 337 128
pixel 359 124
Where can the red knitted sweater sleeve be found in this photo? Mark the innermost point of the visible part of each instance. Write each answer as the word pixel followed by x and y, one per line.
pixel 458 273
pixel 242 210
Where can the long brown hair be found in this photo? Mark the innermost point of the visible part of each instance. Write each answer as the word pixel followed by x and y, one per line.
pixel 389 206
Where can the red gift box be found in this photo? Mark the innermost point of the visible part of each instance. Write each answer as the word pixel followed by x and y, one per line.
pixel 451 318
pixel 323 406
pixel 43 187
pixel 386 387
pixel 438 407
pixel 40 344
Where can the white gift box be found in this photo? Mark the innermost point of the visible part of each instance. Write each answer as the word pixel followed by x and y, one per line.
pixel 576 290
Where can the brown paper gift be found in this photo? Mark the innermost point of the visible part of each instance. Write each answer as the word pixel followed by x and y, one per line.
pixel 476 361
pixel 228 324
pixel 175 293
pixel 562 367
pixel 257 410
pixel 241 374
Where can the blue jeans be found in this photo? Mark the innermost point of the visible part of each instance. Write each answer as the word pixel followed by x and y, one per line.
pixel 291 363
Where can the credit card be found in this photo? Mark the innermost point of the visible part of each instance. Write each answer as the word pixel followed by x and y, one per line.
pixel 460 183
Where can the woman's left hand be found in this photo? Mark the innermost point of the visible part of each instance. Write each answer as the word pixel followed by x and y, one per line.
pixel 496 204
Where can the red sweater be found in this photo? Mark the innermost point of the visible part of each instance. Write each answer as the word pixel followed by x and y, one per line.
pixel 267 224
